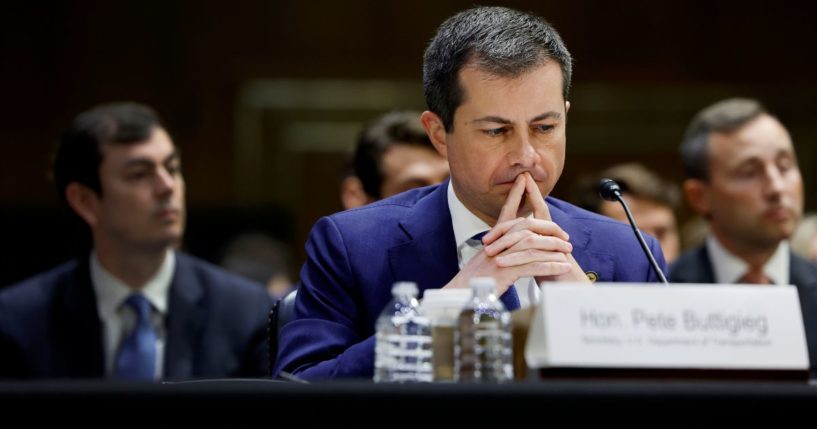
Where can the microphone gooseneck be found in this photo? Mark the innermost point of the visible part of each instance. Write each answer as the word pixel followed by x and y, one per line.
pixel 610 191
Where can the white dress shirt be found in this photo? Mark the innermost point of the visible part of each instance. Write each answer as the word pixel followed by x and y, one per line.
pixel 466 225
pixel 118 320
pixel 728 268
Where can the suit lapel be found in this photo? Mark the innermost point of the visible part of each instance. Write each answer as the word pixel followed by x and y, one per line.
pixel 579 233
pixel 186 316
pixel 77 330
pixel 429 254
pixel 802 273
pixel 602 264
pixel 693 268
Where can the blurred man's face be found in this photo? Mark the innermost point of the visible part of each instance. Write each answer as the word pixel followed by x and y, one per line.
pixel 503 128
pixel 754 197
pixel 409 166
pixel 142 201
pixel 652 218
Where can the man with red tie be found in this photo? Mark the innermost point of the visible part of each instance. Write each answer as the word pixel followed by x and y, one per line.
pixel 743 178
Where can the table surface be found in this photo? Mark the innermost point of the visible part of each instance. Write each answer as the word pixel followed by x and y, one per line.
pixel 338 402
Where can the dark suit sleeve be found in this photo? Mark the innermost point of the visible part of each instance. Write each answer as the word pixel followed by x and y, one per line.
pixel 12 361
pixel 324 340
pixel 256 363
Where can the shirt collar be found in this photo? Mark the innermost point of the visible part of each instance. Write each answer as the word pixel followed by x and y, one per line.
pixel 112 292
pixel 466 224
pixel 729 268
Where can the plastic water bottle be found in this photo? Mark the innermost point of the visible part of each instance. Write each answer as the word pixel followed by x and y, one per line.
pixel 482 343
pixel 403 347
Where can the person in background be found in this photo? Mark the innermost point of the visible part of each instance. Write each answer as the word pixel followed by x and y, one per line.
pixel 261 258
pixel 743 177
pixel 653 202
pixel 496 83
pixel 393 154
pixel 693 233
pixel 132 307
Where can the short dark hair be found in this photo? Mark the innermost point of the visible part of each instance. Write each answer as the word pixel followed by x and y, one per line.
pixel 634 179
pixel 499 40
pixel 79 154
pixel 398 127
pixel 637 180
pixel 722 117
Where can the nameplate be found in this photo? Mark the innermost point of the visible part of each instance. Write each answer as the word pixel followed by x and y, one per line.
pixel 679 327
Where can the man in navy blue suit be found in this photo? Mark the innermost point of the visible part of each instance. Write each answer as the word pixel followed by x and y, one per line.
pixel 133 307
pixel 496 84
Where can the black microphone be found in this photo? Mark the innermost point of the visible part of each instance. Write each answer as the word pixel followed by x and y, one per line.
pixel 610 191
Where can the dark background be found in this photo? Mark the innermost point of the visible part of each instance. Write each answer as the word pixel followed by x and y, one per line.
pixel 264 97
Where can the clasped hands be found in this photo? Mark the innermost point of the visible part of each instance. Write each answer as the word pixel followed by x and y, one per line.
pixel 519 247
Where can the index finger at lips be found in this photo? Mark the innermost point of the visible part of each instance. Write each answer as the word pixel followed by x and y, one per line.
pixel 540 207
pixel 508 211
pixel 511 205
pixel 535 198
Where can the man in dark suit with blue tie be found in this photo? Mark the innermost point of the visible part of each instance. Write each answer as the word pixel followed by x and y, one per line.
pixel 133 307
pixel 496 84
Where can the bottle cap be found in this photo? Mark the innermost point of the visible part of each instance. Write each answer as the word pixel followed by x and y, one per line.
pixel 404 288
pixel 483 284
pixel 446 297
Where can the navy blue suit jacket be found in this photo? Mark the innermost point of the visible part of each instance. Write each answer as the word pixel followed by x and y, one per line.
pixel 216 325
pixel 354 257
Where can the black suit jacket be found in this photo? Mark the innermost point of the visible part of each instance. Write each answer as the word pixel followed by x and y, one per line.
pixel 696 267
pixel 216 325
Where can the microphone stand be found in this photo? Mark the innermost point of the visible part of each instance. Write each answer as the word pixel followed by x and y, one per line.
pixel 641 240
pixel 610 191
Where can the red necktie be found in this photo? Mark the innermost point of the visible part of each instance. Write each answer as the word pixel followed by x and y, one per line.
pixel 755 276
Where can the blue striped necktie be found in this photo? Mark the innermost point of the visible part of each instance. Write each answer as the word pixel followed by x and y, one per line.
pixel 510 298
pixel 137 354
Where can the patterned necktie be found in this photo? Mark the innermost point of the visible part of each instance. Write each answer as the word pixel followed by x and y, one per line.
pixel 137 354
pixel 510 298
